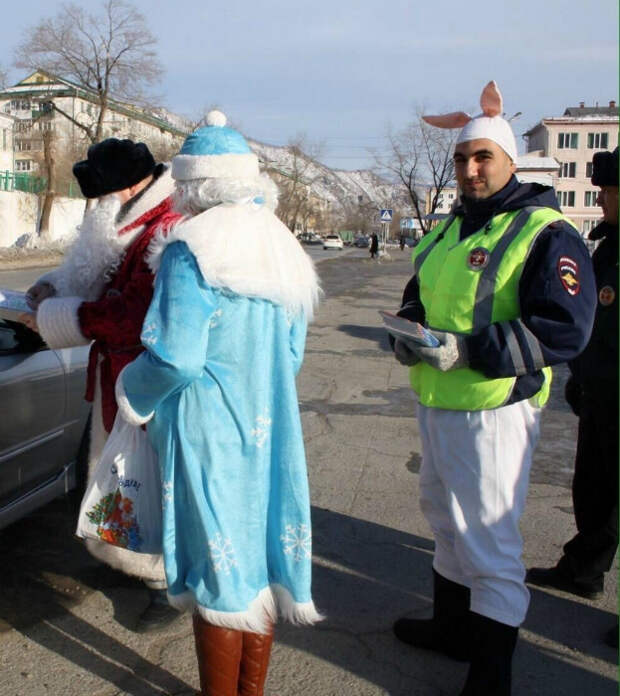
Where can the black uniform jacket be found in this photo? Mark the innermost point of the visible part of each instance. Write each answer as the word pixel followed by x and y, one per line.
pixel 595 371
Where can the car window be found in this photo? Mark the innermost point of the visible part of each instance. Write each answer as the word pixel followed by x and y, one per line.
pixel 17 338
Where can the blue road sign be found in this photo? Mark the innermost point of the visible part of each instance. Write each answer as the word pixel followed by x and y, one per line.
pixel 385 215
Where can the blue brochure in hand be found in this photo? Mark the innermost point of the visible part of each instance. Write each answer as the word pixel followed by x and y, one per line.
pixel 408 330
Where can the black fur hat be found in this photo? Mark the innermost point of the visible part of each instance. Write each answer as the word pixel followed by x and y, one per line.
pixel 113 165
pixel 605 168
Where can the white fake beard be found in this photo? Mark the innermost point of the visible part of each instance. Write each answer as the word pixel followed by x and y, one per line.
pixel 97 251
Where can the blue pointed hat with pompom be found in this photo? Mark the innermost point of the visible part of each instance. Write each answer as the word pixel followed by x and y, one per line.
pixel 215 151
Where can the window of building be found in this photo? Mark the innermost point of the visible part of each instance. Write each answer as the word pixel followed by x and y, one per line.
pixel 45 125
pixel 566 199
pixel 4 139
pixel 23 125
pixel 598 140
pixel 23 165
pixel 589 225
pixel 20 105
pixel 589 198
pixel 24 145
pixel 588 170
pixel 568 170
pixel 568 141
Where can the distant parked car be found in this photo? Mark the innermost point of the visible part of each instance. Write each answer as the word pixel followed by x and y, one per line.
pixel 43 421
pixel 361 242
pixel 333 241
pixel 310 238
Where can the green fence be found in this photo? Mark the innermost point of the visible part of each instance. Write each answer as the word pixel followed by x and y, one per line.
pixel 20 181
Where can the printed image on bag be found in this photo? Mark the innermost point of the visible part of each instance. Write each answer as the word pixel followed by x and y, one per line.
pixel 115 521
pixel 122 503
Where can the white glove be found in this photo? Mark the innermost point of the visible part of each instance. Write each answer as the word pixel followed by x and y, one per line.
pixel 451 354
pixel 404 354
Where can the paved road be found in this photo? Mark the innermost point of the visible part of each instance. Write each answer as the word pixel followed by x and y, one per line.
pixel 66 621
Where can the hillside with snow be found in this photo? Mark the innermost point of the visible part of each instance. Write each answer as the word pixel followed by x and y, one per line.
pixel 342 189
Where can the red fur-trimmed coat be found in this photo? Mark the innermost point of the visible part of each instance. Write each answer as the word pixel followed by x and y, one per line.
pixel 114 321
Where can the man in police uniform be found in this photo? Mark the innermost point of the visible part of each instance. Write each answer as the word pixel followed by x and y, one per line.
pixel 592 392
pixel 506 284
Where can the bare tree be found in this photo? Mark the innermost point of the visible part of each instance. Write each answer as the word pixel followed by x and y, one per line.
pixel 420 158
pixel 297 202
pixel 4 78
pixel 111 54
pixel 55 158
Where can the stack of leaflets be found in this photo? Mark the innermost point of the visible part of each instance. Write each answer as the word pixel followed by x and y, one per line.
pixel 13 303
pixel 408 330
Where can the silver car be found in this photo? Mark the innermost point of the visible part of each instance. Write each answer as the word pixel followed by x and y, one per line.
pixel 43 421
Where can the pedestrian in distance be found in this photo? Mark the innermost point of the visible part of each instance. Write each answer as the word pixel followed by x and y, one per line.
pixel 506 285
pixel 101 293
pixel 374 245
pixel 224 339
pixel 592 392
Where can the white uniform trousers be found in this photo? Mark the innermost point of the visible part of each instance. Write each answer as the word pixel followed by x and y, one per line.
pixel 473 487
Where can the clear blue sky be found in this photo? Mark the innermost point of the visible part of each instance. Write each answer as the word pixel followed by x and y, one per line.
pixel 341 71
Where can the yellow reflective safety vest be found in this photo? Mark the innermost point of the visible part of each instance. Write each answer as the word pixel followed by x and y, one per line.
pixel 467 285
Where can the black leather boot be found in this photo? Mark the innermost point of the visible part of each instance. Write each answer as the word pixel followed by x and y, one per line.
pixel 493 643
pixel 448 631
pixel 158 614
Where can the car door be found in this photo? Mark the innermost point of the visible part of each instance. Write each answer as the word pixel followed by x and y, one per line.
pixel 32 411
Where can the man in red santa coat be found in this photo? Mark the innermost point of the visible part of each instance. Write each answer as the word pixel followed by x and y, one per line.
pixel 101 294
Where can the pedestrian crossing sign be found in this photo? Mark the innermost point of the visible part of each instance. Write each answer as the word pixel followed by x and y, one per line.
pixel 385 215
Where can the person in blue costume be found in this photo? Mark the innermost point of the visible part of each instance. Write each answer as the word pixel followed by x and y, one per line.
pixel 224 339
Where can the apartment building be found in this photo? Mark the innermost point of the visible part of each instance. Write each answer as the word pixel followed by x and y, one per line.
pixel 45 102
pixel 572 139
pixel 6 143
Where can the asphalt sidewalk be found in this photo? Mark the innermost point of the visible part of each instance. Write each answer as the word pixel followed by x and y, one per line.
pixel 372 549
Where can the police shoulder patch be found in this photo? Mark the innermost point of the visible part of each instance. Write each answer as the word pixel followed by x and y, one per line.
pixel 568 270
pixel 606 295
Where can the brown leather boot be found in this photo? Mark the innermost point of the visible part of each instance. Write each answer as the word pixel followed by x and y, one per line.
pixel 219 656
pixel 254 663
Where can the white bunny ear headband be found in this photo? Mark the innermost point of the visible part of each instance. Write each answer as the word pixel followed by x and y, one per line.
pixel 489 124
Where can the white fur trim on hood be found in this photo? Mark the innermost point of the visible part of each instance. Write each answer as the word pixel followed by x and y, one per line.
pixel 248 250
pixel 59 324
pixel 229 166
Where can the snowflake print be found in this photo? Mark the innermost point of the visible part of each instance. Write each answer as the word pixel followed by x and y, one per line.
pixel 261 431
pixel 166 493
pixel 222 554
pixel 213 322
pixel 297 541
pixel 149 328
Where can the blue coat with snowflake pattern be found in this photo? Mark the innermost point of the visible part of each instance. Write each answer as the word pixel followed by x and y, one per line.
pixel 218 377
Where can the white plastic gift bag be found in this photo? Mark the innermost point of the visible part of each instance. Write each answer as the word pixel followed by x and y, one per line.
pixel 122 504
